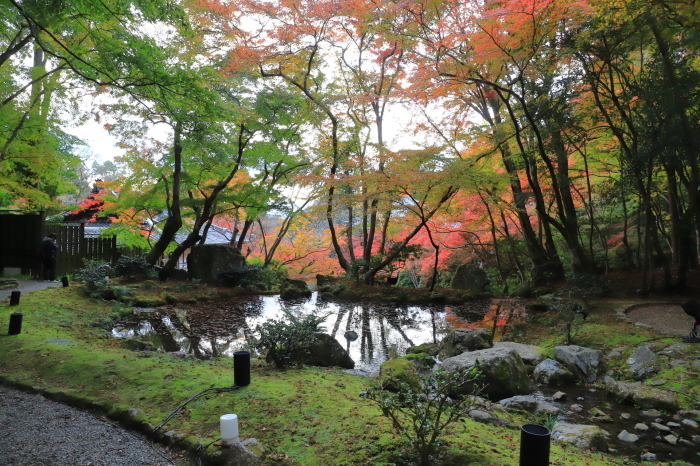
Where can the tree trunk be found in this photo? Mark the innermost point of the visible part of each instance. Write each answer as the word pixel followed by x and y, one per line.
pixel 174 221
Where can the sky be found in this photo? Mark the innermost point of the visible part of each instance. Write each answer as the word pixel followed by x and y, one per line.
pixel 101 143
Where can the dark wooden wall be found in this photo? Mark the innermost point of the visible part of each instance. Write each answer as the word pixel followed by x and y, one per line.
pixel 20 236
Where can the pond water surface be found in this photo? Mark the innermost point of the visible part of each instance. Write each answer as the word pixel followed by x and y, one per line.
pixel 214 329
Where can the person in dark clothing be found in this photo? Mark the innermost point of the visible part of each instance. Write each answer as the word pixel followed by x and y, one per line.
pixel 47 255
pixel 692 308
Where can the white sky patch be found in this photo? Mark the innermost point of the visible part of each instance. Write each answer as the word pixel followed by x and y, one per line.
pixel 102 144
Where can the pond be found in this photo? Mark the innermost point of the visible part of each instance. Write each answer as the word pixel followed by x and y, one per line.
pixel 219 328
pixel 215 329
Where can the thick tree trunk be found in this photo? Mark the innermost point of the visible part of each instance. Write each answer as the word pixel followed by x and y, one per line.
pixel 174 220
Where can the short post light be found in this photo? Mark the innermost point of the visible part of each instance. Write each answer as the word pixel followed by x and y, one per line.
pixel 229 429
pixel 15 323
pixel 241 368
pixel 14 297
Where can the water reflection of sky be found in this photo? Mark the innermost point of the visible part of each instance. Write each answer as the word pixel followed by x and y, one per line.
pixel 219 329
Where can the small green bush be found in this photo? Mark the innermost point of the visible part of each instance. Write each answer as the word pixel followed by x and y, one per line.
pixel 285 338
pixel 421 415
pixel 149 285
pixel 94 275
pixel 253 276
pixel 128 267
pixel 121 292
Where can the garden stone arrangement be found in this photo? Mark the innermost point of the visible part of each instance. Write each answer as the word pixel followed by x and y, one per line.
pixel 633 415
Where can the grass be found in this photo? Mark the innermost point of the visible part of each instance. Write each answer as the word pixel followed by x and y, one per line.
pixel 309 416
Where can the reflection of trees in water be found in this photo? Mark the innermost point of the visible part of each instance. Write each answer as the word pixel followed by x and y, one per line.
pixel 372 322
pixel 213 328
pixel 166 337
pixel 205 330
pixel 493 314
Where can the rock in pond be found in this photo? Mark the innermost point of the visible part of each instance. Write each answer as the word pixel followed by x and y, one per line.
pixel 553 373
pixel 581 435
pixel 294 289
pixel 325 352
pixel 642 363
pixel 584 363
pixel 626 437
pixel 461 340
pixel 530 354
pixel 503 372
pixel 528 403
pixel 641 395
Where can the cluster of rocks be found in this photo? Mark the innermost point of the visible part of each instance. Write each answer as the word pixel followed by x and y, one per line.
pixel 509 368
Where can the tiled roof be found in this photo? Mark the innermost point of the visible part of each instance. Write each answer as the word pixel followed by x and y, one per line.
pixel 216 235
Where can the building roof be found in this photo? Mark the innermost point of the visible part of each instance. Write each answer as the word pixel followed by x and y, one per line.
pixel 216 235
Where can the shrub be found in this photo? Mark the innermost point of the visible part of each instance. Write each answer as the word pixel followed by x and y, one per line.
pixel 286 338
pixel 121 292
pixel 420 416
pixel 129 268
pixel 587 284
pixel 94 275
pixel 571 316
pixel 149 285
pixel 253 275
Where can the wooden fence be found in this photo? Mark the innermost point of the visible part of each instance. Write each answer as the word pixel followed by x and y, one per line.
pixel 20 236
pixel 73 247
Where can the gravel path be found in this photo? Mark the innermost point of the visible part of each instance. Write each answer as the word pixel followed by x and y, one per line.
pixel 664 318
pixel 26 286
pixel 35 431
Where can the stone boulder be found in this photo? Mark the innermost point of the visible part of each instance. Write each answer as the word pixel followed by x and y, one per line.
pixel 641 395
pixel 502 369
pixel 394 372
pixel 433 349
pixel 528 403
pixel 583 436
pixel 642 363
pixel 530 354
pixel 584 363
pixel 207 261
pixel 551 372
pixel 462 340
pixel 294 289
pixel 325 352
pixel 470 278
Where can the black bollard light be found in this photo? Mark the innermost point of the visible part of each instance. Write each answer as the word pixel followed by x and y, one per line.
pixel 241 368
pixel 534 445
pixel 15 323
pixel 64 280
pixel 14 298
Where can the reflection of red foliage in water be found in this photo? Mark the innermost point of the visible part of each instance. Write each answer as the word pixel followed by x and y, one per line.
pixel 497 312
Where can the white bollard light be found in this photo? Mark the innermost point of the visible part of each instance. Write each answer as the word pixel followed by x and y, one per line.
pixel 229 429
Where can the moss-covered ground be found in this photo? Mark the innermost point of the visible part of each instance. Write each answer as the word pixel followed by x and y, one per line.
pixel 308 416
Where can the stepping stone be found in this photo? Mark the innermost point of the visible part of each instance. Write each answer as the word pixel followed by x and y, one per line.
pixel 660 427
pixel 626 437
pixel 672 439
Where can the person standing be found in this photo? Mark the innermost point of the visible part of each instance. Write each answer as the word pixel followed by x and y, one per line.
pixel 47 255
